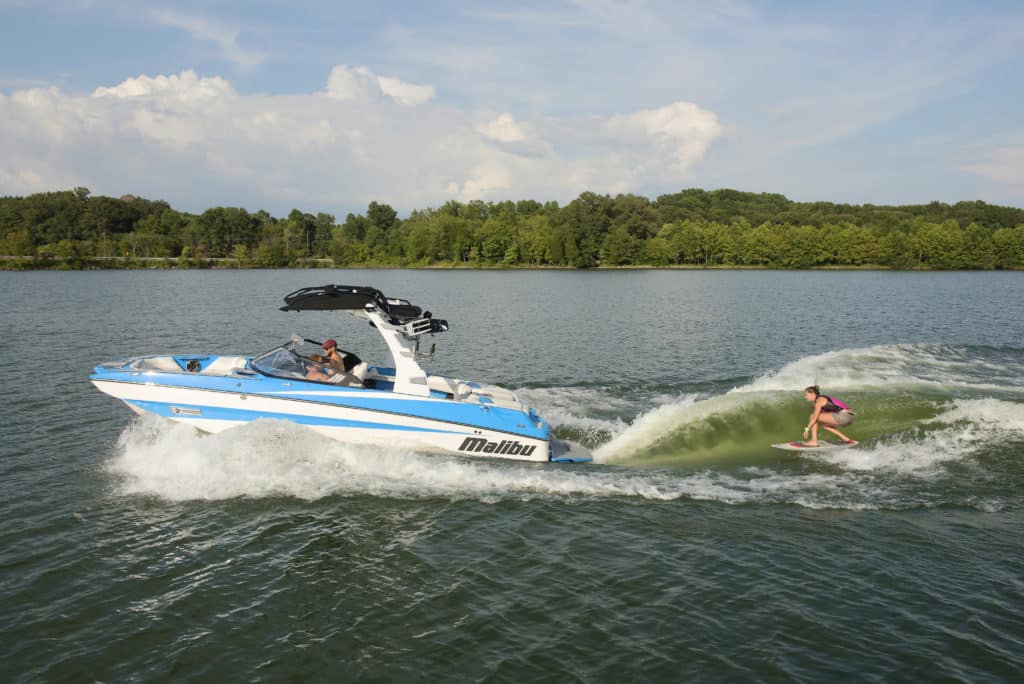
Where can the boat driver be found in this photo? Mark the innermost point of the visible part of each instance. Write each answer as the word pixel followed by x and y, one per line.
pixel 332 358
pixel 341 361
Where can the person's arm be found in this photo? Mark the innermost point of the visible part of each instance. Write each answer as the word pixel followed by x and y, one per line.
pixel 316 370
pixel 818 405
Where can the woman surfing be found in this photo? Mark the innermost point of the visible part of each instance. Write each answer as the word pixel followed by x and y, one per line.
pixel 829 413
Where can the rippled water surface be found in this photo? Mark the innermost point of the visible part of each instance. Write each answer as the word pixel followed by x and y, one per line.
pixel 137 549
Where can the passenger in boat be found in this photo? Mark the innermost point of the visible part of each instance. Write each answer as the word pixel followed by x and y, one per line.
pixel 319 371
pixel 829 413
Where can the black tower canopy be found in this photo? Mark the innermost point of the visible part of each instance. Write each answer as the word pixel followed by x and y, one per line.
pixel 355 298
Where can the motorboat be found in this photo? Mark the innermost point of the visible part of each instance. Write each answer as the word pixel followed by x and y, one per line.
pixel 397 405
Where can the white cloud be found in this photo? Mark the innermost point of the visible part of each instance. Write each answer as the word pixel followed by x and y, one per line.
pixel 208 30
pixel 186 86
pixel 197 142
pixel 22 182
pixel 406 93
pixel 357 84
pixel 484 181
pixel 505 128
pixel 48 116
pixel 361 84
pixel 168 128
pixel 681 131
pixel 1004 165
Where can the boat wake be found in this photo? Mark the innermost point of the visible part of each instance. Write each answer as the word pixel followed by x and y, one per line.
pixel 277 458
pixel 939 426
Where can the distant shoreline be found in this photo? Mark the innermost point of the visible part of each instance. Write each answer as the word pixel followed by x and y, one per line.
pixel 16 263
pixel 691 229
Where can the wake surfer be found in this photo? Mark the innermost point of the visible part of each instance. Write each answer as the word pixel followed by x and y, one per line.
pixel 828 412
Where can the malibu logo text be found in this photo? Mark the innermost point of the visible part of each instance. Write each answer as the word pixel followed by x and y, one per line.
pixel 505 447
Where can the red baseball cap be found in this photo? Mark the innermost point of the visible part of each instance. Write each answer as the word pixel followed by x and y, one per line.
pixel 330 343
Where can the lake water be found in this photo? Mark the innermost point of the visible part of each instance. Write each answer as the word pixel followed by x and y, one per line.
pixel 135 549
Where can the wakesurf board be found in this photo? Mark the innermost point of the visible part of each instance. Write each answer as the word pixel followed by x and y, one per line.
pixel 823 445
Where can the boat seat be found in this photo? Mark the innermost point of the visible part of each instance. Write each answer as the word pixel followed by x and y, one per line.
pixel 360 370
pixel 158 363
pixel 225 365
pixel 498 394
pixel 354 377
pixel 458 389
pixel 439 383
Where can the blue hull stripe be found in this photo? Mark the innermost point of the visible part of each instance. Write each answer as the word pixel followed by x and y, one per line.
pixel 217 413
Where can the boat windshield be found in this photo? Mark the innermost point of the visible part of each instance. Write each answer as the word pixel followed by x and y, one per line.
pixel 281 363
pixel 290 360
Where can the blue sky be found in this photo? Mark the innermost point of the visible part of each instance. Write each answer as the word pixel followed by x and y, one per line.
pixel 327 106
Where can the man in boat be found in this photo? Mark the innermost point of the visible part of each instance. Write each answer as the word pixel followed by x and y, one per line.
pixel 341 367
pixel 341 361
pixel 332 357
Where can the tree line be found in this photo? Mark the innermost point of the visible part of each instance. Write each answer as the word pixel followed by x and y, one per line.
pixel 689 228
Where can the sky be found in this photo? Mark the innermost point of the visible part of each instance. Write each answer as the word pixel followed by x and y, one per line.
pixel 327 106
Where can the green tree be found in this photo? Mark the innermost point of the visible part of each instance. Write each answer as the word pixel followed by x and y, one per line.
pixel 761 246
pixel 241 253
pixel 658 252
pixel 979 251
pixel 635 215
pixel 382 216
pixel 942 245
pixel 586 220
pixel 324 230
pixel 496 237
pixel 535 233
pixel 220 228
pixel 19 243
pixel 620 247
pixel 1008 247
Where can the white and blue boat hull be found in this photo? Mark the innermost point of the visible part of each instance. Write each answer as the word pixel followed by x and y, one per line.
pixel 363 416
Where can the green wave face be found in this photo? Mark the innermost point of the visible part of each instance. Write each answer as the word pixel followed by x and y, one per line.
pixel 904 394
pixel 729 431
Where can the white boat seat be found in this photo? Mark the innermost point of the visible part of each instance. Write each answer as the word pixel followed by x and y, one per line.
pixel 354 377
pixel 360 370
pixel 225 365
pixel 158 363
pixel 439 383
pixel 457 388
